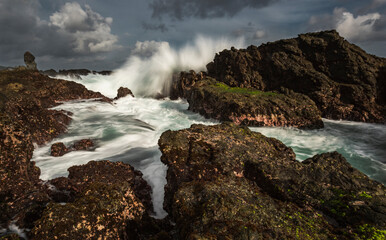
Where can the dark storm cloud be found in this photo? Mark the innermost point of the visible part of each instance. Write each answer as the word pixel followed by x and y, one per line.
pixel 72 32
pixel 155 27
pixel 180 9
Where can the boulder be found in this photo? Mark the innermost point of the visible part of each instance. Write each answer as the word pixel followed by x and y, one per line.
pixel 84 144
pixel 105 200
pixel 58 149
pixel 228 182
pixel 343 80
pixel 29 61
pixel 123 92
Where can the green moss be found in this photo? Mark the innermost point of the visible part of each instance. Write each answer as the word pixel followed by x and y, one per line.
pixel 366 231
pixel 365 195
pixel 238 90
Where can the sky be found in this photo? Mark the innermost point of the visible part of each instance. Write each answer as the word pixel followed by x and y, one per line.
pixel 101 35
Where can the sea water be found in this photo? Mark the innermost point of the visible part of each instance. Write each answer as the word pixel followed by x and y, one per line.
pixel 128 129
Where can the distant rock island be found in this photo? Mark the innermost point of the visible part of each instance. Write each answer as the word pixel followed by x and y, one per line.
pixel 223 181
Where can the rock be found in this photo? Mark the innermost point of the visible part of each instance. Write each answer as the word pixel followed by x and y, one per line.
pixel 84 144
pixel 102 211
pixel 58 149
pixel 29 61
pixel 25 118
pixel 108 200
pixel 343 80
pixel 123 92
pixel 227 182
pixel 251 107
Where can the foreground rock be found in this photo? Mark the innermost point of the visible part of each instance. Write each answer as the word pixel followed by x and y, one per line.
pixel 227 182
pixel 250 107
pixel 108 200
pixel 343 80
pixel 25 119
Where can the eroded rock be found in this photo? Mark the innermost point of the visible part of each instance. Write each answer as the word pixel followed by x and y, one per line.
pixel 123 92
pixel 343 80
pixel 228 182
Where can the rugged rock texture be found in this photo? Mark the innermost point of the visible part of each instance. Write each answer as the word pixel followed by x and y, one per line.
pixel 226 182
pixel 105 200
pixel 123 92
pixel 59 149
pixel 250 107
pixel 29 61
pixel 344 81
pixel 25 97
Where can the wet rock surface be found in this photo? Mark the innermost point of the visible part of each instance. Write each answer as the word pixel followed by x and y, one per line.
pixel 227 182
pixel 59 149
pixel 250 107
pixel 343 80
pixel 98 200
pixel 123 92
pixel 25 119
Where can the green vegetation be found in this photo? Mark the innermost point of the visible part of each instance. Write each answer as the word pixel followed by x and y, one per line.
pixel 368 232
pixel 226 88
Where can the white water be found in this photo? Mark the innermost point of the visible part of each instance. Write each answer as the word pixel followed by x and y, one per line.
pixel 129 129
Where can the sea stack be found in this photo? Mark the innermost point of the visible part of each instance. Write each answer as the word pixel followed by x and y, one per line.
pixel 29 61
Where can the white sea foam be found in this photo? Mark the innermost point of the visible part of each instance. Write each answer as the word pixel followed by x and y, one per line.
pixel 150 75
pixel 126 131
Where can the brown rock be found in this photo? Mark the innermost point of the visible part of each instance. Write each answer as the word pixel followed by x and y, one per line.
pixel 84 144
pixel 29 61
pixel 228 182
pixel 58 149
pixel 343 80
pixel 123 92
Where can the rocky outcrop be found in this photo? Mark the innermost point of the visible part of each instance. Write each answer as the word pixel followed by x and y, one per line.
pixel 25 119
pixel 29 61
pixel 227 182
pixel 343 80
pixel 123 92
pixel 102 200
pixel 250 107
pixel 59 149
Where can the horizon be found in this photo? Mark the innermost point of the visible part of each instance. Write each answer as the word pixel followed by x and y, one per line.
pixel 99 36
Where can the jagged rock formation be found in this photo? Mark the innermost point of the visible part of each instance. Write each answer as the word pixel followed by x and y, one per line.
pixel 106 198
pixel 59 149
pixel 250 107
pixel 343 80
pixel 226 182
pixel 24 119
pixel 123 92
pixel 29 61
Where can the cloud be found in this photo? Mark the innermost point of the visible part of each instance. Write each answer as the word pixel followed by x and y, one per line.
pixel 180 9
pixel 89 30
pixel 147 49
pixel 361 28
pixel 72 35
pixel 149 26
